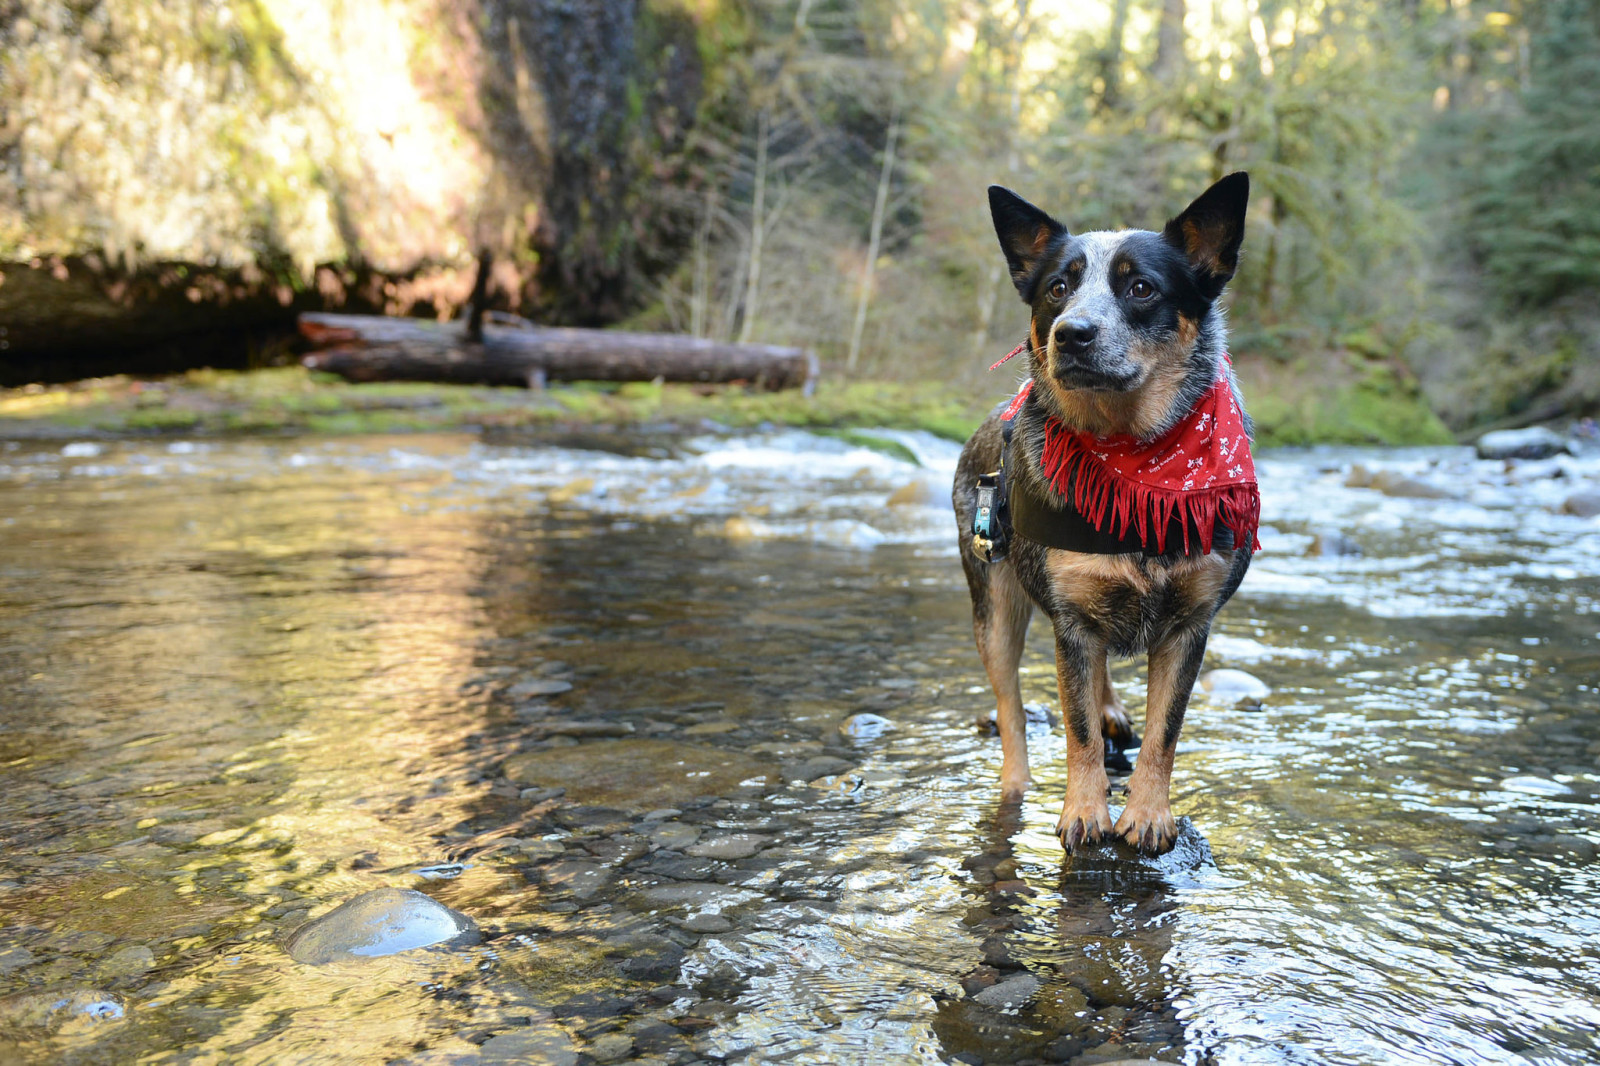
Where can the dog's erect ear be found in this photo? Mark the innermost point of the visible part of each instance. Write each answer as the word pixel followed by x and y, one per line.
pixel 1024 231
pixel 1210 231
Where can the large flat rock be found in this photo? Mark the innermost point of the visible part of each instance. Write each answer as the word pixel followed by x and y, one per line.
pixel 638 774
pixel 385 921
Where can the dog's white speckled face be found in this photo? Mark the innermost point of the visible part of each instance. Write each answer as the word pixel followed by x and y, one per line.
pixel 1111 308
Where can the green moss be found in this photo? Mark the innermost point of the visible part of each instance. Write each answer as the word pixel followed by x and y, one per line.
pixel 892 448
pixel 1370 412
pixel 1374 407
pixel 159 420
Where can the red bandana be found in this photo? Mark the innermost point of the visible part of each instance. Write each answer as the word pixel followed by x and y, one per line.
pixel 1199 471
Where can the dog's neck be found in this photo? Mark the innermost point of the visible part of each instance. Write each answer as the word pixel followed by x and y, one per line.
pixel 1147 412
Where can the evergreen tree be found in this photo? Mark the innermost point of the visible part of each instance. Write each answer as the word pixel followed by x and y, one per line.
pixel 1538 211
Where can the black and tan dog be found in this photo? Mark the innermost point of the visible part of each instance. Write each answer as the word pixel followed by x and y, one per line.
pixel 1126 339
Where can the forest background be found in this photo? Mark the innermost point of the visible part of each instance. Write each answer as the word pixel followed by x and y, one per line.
pixel 1422 260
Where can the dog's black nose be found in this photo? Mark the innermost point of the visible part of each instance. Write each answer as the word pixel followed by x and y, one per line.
pixel 1075 335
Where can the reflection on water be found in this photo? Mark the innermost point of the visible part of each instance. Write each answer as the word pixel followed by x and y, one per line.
pixel 592 698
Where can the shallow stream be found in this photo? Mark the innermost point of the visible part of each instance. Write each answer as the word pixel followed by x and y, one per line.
pixel 243 682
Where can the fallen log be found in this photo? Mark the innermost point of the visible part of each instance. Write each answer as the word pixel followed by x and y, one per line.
pixel 375 348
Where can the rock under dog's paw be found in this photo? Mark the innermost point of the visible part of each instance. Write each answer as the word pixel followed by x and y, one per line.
pixel 1082 827
pixel 1150 829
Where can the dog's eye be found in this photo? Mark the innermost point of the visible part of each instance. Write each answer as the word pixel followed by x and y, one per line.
pixel 1058 289
pixel 1141 290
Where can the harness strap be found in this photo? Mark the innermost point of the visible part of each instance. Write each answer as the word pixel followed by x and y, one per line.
pixel 991 521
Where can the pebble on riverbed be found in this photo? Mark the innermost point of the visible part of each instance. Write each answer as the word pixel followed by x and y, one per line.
pixel 638 774
pixel 1236 687
pixel 1582 504
pixel 865 726
pixel 385 921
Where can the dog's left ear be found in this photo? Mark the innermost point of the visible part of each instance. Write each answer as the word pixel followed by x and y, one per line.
pixel 1210 231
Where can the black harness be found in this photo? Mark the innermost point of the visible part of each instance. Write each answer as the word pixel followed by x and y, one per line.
pixel 1010 505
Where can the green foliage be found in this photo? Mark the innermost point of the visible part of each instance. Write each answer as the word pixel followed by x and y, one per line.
pixel 1377 409
pixel 1537 212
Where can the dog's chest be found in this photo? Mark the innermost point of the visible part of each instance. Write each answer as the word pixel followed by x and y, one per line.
pixel 1127 602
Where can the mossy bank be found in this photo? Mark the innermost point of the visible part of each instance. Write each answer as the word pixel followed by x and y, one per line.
pixel 291 400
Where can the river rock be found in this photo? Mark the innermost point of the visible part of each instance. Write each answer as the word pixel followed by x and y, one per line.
pixel 15 958
pixel 127 962
pixel 920 492
pixel 865 726
pixel 56 1009
pixel 815 767
pixel 546 1045
pixel 1038 716
pixel 385 921
pixel 674 835
pixel 1011 993
pixel 1399 485
pixel 582 879
pixel 1535 442
pixel 1331 542
pixel 538 686
pixel 1235 686
pixel 729 846
pixel 612 1047
pixel 572 728
pixel 697 894
pixel 1582 504
pixel 639 775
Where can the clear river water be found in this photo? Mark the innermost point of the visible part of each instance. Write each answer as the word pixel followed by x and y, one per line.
pixel 606 697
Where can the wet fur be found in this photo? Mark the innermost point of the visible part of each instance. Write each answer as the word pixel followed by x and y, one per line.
pixel 1151 360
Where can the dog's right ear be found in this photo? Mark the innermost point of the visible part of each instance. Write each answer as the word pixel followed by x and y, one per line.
pixel 1025 234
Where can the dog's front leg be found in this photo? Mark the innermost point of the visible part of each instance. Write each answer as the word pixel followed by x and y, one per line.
pixel 1085 818
pixel 1147 821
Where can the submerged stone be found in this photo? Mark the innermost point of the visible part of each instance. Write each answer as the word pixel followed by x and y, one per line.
pixel 128 962
pixel 1235 686
pixel 1331 542
pixel 1011 993
pixel 547 1045
pixel 865 726
pixel 538 687
pixel 385 921
pixel 1582 504
pixel 56 1009
pixel 729 846
pixel 639 774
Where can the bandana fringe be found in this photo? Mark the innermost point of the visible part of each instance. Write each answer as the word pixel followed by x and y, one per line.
pixel 1095 492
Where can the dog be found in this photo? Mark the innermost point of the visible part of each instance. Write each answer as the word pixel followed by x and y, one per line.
pixel 1127 354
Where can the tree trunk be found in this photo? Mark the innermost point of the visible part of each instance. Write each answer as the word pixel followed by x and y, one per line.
pixel 752 282
pixel 874 239
pixel 373 348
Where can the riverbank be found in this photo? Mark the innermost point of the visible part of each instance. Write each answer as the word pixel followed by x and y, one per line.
pixel 292 400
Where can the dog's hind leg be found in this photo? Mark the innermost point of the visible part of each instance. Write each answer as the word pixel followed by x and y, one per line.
pixel 1115 726
pixel 1000 615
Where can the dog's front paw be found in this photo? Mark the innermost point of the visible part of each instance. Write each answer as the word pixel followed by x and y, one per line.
pixel 1150 829
pixel 1082 826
